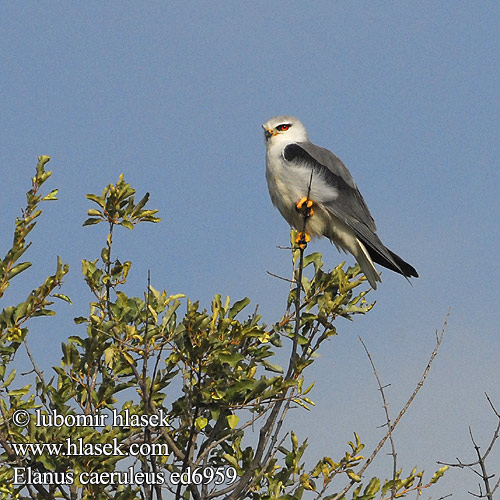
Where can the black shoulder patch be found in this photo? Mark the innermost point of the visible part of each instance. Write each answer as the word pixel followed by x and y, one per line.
pixel 293 151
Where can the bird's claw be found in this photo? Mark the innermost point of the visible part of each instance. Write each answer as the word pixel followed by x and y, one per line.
pixel 305 206
pixel 302 240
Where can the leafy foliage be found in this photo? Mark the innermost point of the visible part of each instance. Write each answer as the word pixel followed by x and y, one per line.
pixel 209 374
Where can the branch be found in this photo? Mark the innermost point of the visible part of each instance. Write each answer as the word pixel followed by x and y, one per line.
pixel 439 339
pixel 266 430
pixel 388 421
pixel 481 460
pixel 279 277
pixel 39 373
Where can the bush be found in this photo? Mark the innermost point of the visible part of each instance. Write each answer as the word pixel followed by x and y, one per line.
pixel 207 400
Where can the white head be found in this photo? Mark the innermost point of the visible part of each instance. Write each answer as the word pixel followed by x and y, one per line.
pixel 284 129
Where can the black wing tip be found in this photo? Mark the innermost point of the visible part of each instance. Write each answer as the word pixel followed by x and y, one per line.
pixel 407 270
pixel 398 265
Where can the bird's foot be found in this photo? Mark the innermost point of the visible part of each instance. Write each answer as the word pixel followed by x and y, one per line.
pixel 305 206
pixel 302 240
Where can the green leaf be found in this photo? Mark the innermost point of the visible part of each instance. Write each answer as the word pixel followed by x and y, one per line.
pixel 201 422
pixel 51 196
pixel 96 199
pixel 308 389
pixel 315 258
pixel 271 367
pixel 372 487
pixel 353 476
pixel 10 378
pixel 20 392
pixel 62 297
pixel 109 355
pixel 42 160
pixel 231 460
pixel 128 357
pixel 237 307
pixel 438 474
pixel 127 224
pixel 90 221
pixel 232 420
pixel 18 269
pixel 140 205
pixel 232 359
pixel 301 403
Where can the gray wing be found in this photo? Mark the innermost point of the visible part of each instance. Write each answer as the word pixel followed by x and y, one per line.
pixel 349 206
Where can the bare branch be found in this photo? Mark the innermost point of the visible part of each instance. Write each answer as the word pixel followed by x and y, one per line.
pixel 388 420
pixel 279 277
pixel 481 460
pixel 439 339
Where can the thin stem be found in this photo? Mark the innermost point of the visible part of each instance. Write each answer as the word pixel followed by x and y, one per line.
pixel 191 435
pixel 439 339
pixel 39 375
pixel 267 428
pixel 305 215
pixel 388 421
pixel 481 460
pixel 109 243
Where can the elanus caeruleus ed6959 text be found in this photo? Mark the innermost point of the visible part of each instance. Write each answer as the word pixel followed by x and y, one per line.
pixel 299 172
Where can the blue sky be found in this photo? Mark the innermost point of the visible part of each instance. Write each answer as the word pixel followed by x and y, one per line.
pixel 174 94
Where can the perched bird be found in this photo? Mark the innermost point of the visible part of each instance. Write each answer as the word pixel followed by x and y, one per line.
pixel 302 176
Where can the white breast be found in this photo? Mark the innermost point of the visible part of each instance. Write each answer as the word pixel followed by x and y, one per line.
pixel 288 183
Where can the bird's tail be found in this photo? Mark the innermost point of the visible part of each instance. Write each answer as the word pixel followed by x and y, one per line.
pixel 408 270
pixel 366 264
pixel 392 261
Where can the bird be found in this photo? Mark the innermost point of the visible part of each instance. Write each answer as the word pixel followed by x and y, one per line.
pixel 316 194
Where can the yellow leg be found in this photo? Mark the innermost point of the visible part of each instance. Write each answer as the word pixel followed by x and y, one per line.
pixel 305 205
pixel 302 240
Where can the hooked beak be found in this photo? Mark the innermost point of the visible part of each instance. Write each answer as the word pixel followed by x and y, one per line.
pixel 268 134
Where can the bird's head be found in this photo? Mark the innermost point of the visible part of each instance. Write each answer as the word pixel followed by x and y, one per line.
pixel 284 130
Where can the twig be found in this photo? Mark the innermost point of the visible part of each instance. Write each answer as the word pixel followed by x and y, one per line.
pixel 39 375
pixel 484 474
pixel 172 446
pixel 192 436
pixel 439 339
pixel 279 277
pixel 148 395
pixel 293 360
pixel 145 396
pixel 267 428
pixel 204 451
pixel 481 460
pixel 279 423
pixel 109 243
pixel 388 421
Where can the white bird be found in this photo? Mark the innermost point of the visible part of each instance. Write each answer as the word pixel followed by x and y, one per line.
pixel 299 172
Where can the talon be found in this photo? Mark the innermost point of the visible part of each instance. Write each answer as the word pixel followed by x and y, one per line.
pixel 304 205
pixel 302 240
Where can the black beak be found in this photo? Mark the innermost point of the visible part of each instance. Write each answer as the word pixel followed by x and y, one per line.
pixel 268 134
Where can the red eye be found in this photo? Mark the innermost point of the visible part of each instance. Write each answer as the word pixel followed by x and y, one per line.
pixel 283 127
